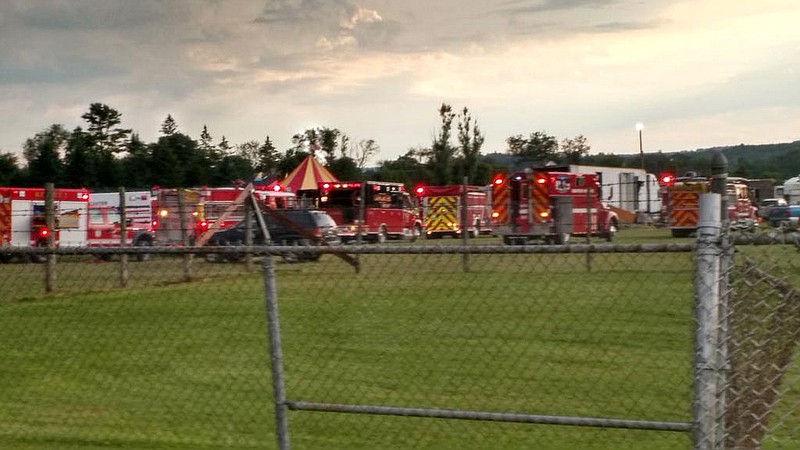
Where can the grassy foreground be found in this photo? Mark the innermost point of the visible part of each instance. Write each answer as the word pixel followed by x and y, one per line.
pixel 166 364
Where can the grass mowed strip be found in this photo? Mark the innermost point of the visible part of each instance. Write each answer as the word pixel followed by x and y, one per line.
pixel 185 365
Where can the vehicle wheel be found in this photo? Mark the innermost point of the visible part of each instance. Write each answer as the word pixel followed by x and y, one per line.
pixel 558 239
pixel 475 231
pixel 613 227
pixel 381 238
pixel 507 240
pixel 143 242
pixel 416 232
pixel 5 258
pixel 39 258
pixel 212 257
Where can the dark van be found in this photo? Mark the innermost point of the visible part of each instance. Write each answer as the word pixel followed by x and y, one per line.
pixel 299 227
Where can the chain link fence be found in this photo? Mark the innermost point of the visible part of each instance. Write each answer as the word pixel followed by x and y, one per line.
pixel 396 346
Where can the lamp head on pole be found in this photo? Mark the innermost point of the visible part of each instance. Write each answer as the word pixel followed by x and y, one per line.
pixel 639 127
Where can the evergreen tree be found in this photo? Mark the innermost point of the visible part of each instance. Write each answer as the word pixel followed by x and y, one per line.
pixel 106 136
pixel 268 158
pixel 169 127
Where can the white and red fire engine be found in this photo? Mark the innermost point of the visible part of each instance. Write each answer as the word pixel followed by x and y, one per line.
pixel 443 211
pixel 77 224
pixel 387 210
pixel 549 206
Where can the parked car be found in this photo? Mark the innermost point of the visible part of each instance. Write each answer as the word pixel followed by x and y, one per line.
pixel 299 227
pixel 767 204
pixel 784 216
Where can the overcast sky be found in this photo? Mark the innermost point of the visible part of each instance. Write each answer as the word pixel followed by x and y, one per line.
pixel 696 73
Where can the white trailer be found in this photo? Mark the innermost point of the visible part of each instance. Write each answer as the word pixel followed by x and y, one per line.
pixel 631 190
pixel 790 190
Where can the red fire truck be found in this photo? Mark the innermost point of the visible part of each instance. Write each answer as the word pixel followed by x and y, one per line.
pixel 682 196
pixel 387 210
pixel 443 210
pixel 23 222
pixel 549 206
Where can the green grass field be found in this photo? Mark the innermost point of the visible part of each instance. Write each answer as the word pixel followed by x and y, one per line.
pixel 176 365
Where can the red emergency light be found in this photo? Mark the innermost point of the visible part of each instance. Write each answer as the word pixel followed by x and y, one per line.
pixel 202 225
pixel 43 232
pixel 498 180
pixel 541 180
pixel 420 190
pixel 667 179
pixel 277 188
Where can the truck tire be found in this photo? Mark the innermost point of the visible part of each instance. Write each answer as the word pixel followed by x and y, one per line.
pixel 416 232
pixel 143 242
pixel 611 230
pixel 382 236
pixel 39 258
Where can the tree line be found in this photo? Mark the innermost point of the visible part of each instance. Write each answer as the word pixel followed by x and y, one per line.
pixel 104 155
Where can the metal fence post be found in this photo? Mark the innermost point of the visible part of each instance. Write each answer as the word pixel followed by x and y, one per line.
pixel 50 223
pixel 123 232
pixel 465 230
pixel 719 183
pixel 707 303
pixel 274 338
pixel 187 258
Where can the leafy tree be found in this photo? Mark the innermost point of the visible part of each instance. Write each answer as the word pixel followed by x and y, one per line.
pixel 169 126
pixel 136 165
pixel 249 151
pixel 345 168
pixel 328 142
pixel 291 159
pixel 106 136
pixel 470 142
pixel 234 168
pixel 42 153
pixel 442 152
pixel 407 168
pixel 573 150
pixel 363 151
pixel 79 162
pixel 10 172
pixel 539 147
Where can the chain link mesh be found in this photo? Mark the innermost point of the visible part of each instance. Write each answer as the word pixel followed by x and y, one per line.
pixel 172 352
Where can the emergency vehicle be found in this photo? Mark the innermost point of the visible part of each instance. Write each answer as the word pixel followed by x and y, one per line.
pixel 387 210
pixel 77 224
pixel 550 206
pixel 682 199
pixel 443 210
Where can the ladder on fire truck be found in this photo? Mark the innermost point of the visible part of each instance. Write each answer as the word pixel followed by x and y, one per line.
pixel 247 193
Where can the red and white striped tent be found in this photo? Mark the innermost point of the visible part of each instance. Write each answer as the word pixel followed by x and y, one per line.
pixel 307 176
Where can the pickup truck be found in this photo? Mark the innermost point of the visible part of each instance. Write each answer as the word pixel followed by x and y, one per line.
pixel 786 216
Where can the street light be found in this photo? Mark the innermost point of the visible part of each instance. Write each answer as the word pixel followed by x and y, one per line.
pixel 639 128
